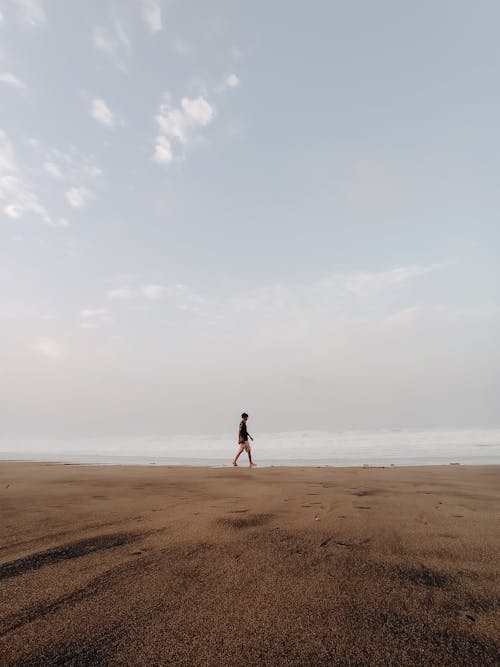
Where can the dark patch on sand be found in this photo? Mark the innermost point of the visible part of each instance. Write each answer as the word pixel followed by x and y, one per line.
pixel 95 586
pixel 250 521
pixel 422 643
pixel 64 552
pixel 88 652
pixel 423 576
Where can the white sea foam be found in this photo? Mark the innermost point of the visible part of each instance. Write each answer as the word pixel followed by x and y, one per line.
pixel 338 448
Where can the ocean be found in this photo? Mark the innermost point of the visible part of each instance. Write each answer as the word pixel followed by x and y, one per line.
pixel 381 447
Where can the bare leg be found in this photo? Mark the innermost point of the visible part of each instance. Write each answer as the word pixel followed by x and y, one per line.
pixel 237 457
pixel 252 464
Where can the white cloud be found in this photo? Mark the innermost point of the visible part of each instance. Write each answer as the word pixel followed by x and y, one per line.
pixel 198 110
pixel 362 284
pixel 291 312
pixel 101 113
pixel 153 292
pixel 73 166
pixel 121 293
pixel 179 295
pixel 232 81
pixel 178 123
pixel 172 122
pixel 94 318
pixel 77 196
pixel 31 12
pixel 328 297
pixel 113 41
pixel 288 312
pixel 10 79
pixel 16 195
pixel 163 150
pixel 49 347
pixel 151 13
pixel 53 169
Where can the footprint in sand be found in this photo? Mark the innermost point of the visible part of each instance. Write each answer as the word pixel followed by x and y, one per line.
pixel 337 543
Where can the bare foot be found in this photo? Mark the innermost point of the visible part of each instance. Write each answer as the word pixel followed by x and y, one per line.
pixel 252 465
pixel 235 464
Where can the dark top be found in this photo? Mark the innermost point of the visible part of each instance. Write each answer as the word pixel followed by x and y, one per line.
pixel 243 431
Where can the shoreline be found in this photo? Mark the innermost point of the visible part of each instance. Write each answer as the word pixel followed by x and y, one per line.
pixel 262 465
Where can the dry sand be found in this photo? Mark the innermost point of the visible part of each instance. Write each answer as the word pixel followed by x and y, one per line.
pixel 277 566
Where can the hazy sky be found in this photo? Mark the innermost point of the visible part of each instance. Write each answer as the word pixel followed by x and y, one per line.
pixel 284 207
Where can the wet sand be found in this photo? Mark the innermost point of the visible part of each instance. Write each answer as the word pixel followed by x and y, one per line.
pixel 276 566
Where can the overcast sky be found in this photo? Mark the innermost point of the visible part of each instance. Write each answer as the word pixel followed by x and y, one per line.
pixel 284 207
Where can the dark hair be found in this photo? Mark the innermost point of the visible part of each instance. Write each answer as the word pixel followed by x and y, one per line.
pixel 244 415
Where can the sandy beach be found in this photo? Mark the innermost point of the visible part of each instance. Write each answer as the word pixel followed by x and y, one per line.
pixel 276 566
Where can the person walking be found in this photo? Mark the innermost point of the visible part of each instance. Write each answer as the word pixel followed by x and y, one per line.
pixel 243 437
